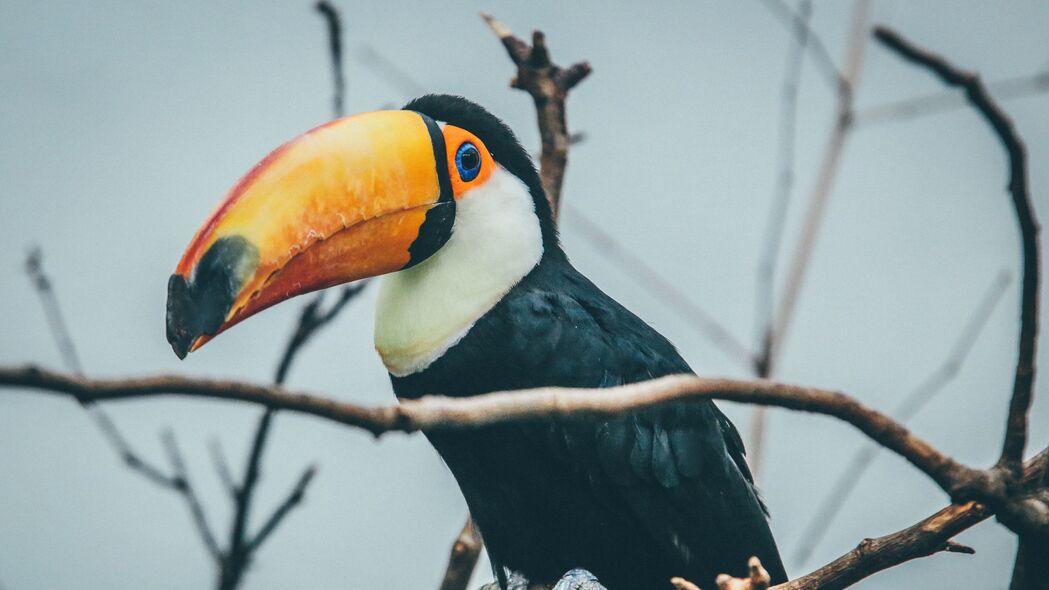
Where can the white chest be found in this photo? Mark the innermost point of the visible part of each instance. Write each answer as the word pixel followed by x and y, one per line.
pixel 425 310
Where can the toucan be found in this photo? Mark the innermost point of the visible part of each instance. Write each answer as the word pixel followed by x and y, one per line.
pixel 478 296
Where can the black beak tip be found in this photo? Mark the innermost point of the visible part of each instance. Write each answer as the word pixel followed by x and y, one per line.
pixel 179 311
pixel 198 306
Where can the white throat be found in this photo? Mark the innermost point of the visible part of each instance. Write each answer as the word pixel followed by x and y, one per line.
pixel 425 310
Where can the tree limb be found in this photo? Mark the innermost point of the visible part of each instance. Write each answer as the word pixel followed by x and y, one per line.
pixel 777 329
pixel 185 487
pixel 1002 125
pixel 466 550
pixel 434 413
pixel 293 499
pixel 548 84
pixel 849 477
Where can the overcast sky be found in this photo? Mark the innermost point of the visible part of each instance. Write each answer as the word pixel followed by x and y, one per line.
pixel 122 123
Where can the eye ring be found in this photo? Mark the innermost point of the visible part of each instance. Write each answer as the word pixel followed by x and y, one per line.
pixel 468 161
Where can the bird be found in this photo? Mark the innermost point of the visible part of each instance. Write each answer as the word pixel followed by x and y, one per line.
pixel 478 296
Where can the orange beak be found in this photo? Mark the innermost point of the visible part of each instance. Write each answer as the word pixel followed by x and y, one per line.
pixel 358 197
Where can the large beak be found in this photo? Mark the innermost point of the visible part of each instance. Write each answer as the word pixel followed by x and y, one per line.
pixel 342 202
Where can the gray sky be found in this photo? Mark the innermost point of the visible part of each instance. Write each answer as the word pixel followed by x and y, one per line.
pixel 122 123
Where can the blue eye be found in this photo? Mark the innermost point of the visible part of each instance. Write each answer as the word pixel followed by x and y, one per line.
pixel 468 161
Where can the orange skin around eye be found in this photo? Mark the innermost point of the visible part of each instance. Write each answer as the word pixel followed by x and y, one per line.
pixel 455 137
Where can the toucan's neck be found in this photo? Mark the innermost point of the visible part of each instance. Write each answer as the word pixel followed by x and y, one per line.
pixel 496 240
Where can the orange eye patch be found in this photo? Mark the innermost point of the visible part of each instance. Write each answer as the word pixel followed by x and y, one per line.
pixel 469 163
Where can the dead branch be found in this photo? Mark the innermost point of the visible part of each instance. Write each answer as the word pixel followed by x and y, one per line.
pixel 466 550
pixel 331 18
pixel 184 487
pixel 221 465
pixel 1002 125
pixel 776 331
pixel 293 499
pixel 939 102
pixel 773 237
pixel 242 546
pixel 548 84
pixel 927 537
pixel 821 192
pixel 434 413
pixel 798 24
pixel 664 290
pixel 383 67
pixel 849 478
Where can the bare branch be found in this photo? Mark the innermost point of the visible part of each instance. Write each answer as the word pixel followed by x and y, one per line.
pixel 34 266
pixel 777 221
pixel 241 548
pixel 311 319
pixel 777 329
pixel 548 84
pixel 464 555
pixel 1002 125
pixel 939 102
pixel 331 18
pixel 798 25
pixel 433 413
pixel 821 192
pixel 849 478
pixel 929 536
pixel 218 460
pixel 699 319
pixel 293 499
pixel 60 332
pixel 385 68
pixel 185 487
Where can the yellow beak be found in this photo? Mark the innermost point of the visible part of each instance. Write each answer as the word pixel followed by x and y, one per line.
pixel 358 197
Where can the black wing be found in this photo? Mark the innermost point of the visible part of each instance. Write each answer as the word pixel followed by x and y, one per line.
pixel 678 470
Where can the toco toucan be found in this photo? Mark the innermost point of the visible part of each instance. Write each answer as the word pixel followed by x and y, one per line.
pixel 479 297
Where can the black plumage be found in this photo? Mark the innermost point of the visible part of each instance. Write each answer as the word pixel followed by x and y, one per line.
pixel 635 499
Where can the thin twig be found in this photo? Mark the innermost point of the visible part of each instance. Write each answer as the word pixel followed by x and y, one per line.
pixel 777 220
pixel 466 550
pixel 189 494
pixel 933 384
pixel 948 100
pixel 666 291
pixel 71 359
pixel 797 23
pixel 821 192
pixel 927 537
pixel 1002 125
pixel 438 413
pixel 221 465
pixel 331 17
pixel 34 266
pixel 293 499
pixel 388 70
pixel 777 331
pixel 549 85
pixel 311 319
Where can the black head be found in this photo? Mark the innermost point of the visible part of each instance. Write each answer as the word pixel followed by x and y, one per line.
pixel 503 146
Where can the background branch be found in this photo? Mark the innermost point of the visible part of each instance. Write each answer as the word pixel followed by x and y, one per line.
pixel 1029 518
pixel 184 486
pixel 939 102
pixel 1002 125
pixel 933 384
pixel 548 84
pixel 776 330
pixel 772 240
pixel 432 413
pixel 466 550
